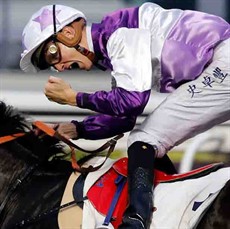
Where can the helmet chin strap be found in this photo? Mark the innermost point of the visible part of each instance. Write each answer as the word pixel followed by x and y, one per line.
pixel 74 42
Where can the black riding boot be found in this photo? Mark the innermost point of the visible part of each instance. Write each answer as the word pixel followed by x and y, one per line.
pixel 138 215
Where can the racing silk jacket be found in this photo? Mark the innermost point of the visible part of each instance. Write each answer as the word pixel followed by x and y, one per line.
pixel 146 47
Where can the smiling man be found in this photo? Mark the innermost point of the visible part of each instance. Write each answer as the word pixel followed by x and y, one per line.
pixel 185 53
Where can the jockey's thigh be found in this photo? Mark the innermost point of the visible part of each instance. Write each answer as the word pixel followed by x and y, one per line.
pixel 193 108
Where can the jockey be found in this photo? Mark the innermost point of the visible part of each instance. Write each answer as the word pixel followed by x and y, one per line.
pixel 185 53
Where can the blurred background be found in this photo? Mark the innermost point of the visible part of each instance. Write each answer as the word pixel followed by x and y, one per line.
pixel 25 91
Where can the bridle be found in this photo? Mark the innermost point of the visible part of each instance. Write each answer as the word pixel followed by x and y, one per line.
pixel 51 132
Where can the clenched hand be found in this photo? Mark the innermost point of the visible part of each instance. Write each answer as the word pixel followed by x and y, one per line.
pixel 59 91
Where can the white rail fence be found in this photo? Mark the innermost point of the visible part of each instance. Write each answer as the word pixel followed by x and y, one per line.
pixel 192 149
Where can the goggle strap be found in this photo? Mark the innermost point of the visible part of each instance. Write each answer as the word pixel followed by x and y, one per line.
pixel 85 52
pixel 54 22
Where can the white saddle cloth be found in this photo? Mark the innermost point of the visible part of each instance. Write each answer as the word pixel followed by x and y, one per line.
pixel 179 205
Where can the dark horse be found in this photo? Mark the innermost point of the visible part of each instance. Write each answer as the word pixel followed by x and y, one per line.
pixel 29 183
pixel 33 177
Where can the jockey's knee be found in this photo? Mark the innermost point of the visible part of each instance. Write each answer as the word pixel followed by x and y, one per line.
pixel 141 136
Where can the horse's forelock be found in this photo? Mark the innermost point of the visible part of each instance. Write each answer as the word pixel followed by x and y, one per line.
pixel 11 120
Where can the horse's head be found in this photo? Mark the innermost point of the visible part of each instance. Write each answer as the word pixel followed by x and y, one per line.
pixel 13 122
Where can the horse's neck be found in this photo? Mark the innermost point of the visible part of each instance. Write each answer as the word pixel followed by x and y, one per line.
pixel 10 169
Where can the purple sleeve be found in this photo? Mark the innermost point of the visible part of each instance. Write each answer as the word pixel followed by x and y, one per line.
pixel 118 101
pixel 103 126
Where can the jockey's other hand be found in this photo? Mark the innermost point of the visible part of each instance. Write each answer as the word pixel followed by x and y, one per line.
pixel 57 90
pixel 67 130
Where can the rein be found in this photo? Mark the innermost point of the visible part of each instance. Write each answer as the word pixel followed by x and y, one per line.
pixel 110 145
pixel 8 138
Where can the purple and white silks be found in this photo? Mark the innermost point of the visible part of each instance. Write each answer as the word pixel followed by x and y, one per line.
pixel 101 32
pixel 186 48
pixel 118 108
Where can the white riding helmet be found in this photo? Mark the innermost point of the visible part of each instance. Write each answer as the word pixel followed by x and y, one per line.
pixel 40 27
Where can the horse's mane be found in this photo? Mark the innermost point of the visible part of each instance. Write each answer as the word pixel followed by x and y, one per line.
pixel 11 120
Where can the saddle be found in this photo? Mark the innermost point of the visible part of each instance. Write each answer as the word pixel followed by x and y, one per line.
pixel 109 194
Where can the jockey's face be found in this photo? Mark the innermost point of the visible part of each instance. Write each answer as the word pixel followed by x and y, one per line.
pixel 63 57
pixel 66 58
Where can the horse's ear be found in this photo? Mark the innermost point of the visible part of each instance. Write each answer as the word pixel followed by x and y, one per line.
pixel 2 111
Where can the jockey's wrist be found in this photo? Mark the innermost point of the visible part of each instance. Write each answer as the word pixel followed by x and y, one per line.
pixel 71 98
pixel 79 128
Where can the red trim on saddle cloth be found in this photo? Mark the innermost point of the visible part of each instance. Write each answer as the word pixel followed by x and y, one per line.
pixel 162 177
pixel 102 192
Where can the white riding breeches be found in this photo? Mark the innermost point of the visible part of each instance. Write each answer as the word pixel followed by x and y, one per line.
pixel 193 108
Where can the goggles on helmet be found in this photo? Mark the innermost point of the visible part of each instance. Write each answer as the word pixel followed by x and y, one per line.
pixel 47 55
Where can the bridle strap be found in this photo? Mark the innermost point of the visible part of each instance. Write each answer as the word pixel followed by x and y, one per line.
pixel 8 138
pixel 109 144
pixel 54 19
